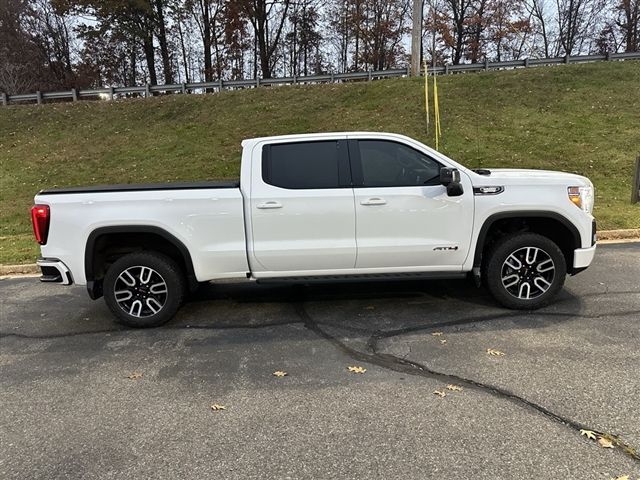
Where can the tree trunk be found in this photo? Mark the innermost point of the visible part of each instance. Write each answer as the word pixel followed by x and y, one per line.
pixel 206 40
pixel 184 52
pixel 149 53
pixel 162 39
pixel 134 63
pixel 632 24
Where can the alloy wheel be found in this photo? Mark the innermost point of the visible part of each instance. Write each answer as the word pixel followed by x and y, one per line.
pixel 140 291
pixel 527 273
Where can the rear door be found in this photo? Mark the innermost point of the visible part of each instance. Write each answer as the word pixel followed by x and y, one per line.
pixel 302 209
pixel 404 217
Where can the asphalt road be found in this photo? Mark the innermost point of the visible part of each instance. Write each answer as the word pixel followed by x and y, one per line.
pixel 69 410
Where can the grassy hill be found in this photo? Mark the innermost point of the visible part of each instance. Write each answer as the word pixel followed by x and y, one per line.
pixel 577 118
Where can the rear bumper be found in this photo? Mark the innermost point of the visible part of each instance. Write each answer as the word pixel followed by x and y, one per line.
pixel 54 271
pixel 582 257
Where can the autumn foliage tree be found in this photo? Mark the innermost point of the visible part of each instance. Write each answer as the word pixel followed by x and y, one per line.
pixel 58 44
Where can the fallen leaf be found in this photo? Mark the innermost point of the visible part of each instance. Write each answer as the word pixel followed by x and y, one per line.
pixel 454 388
pixel 215 407
pixel 436 334
pixel 443 342
pixel 279 373
pixel 134 376
pixel 621 477
pixel 440 393
pixel 354 369
pixel 605 442
pixel 588 433
pixel 495 353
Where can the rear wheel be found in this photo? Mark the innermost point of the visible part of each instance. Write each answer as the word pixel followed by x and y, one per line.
pixel 525 271
pixel 144 289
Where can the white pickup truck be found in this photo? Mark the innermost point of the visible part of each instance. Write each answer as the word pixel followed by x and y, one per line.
pixel 319 207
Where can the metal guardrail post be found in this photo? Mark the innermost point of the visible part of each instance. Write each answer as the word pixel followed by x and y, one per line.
pixel 257 81
pixel 183 88
pixel 370 76
pixel 220 85
pixel 147 90
pixel 4 99
pixel 74 95
pixel 566 58
pixel 486 64
pixel 111 93
pixel 608 56
pixel 446 69
pixel 526 62
pixel 635 192
pixel 39 97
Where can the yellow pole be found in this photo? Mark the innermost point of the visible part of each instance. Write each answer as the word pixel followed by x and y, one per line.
pixel 436 112
pixel 426 94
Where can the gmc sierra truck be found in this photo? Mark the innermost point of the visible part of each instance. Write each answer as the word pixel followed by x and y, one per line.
pixel 319 207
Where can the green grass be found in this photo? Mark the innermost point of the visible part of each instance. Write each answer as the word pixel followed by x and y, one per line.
pixel 576 118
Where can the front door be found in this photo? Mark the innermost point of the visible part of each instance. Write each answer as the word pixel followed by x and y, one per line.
pixel 404 217
pixel 302 211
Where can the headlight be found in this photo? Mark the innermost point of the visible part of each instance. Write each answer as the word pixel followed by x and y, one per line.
pixel 582 197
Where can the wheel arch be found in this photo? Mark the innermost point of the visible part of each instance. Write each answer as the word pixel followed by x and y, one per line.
pixel 553 225
pixel 106 243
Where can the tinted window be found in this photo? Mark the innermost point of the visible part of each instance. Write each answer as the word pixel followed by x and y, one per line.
pixel 391 164
pixel 302 165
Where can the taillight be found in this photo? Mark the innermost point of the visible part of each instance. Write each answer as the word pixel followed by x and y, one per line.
pixel 40 218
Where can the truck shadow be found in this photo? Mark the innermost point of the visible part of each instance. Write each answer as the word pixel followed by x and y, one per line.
pixel 365 307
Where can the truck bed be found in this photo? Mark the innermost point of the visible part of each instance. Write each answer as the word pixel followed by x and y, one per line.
pixel 143 187
pixel 207 217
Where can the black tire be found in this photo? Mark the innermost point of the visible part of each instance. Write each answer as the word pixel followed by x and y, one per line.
pixel 144 289
pixel 538 278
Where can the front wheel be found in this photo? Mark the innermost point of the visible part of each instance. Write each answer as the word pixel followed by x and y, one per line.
pixel 144 289
pixel 525 271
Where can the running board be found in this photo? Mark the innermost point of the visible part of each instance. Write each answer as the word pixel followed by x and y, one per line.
pixel 366 277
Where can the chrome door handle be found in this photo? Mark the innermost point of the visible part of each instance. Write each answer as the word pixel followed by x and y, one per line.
pixel 270 204
pixel 374 201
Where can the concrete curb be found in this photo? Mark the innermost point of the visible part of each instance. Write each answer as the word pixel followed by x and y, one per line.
pixel 628 234
pixel 27 269
pixel 606 236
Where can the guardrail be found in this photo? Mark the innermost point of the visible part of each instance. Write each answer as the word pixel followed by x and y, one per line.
pixel 219 85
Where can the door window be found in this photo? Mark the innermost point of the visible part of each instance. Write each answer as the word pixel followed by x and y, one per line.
pixel 389 164
pixel 303 165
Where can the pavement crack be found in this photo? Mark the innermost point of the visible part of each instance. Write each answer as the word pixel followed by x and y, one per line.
pixel 59 335
pixel 490 317
pixel 410 367
pixel 246 326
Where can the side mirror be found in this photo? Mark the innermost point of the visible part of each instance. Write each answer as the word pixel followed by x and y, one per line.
pixel 450 178
pixel 455 189
pixel 449 175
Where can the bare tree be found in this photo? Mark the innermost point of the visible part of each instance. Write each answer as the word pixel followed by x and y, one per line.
pixel 303 38
pixel 437 29
pixel 538 12
pixel 576 22
pixel 159 7
pixel 381 31
pixel 629 23
pixel 262 14
pixel 35 47
pixel 507 27
pixel 337 20
pixel 461 12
